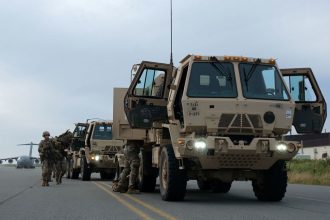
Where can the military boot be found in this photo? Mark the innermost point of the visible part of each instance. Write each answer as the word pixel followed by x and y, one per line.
pixel 133 190
pixel 46 183
pixel 43 183
pixel 119 188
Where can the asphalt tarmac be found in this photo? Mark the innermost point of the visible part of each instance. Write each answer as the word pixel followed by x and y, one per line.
pixel 22 197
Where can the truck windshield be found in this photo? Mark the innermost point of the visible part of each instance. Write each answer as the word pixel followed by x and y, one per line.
pixel 102 132
pixel 260 81
pixel 212 80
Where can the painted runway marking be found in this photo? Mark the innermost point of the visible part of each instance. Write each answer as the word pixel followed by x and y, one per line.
pixel 140 213
pixel 146 205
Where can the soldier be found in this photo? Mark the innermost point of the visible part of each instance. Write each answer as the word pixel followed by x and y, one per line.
pixel 60 160
pixel 46 152
pixel 131 170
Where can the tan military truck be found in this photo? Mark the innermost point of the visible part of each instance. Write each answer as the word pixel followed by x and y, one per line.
pixel 98 154
pixel 217 119
pixel 73 153
pixel 93 150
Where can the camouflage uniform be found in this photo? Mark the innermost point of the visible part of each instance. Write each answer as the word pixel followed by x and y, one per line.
pixel 60 162
pixel 46 152
pixel 129 176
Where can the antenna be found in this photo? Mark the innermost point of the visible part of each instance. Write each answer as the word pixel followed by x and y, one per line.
pixel 171 59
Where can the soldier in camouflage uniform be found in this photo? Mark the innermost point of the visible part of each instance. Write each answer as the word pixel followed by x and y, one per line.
pixel 46 152
pixel 62 142
pixel 129 176
pixel 60 162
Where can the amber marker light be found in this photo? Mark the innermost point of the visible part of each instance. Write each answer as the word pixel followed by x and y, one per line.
pixel 197 57
pixel 271 61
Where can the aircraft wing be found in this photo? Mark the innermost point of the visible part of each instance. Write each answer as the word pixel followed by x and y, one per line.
pixel 9 158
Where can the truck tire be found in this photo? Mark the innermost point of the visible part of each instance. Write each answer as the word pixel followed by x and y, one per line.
pixel 217 186
pixel 272 185
pixel 147 173
pixel 68 168
pixel 74 173
pixel 173 182
pixel 85 171
pixel 107 175
pixel 203 184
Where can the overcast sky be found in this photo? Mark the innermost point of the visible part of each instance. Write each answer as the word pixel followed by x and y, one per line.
pixel 60 59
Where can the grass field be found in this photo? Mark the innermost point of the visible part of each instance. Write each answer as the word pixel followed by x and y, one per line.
pixel 315 172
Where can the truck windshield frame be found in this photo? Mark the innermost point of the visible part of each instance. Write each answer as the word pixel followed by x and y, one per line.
pixel 212 80
pixel 102 132
pixel 263 82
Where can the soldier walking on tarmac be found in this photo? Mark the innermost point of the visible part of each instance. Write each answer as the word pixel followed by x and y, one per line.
pixel 129 176
pixel 46 152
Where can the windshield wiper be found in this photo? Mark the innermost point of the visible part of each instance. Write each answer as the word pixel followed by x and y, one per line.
pixel 221 69
pixel 248 76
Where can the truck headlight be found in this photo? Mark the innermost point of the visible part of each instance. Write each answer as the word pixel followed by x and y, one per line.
pixel 97 157
pixel 200 144
pixel 281 147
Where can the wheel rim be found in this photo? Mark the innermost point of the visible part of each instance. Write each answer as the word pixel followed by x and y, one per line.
pixel 164 174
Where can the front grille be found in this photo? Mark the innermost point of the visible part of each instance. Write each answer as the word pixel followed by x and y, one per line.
pixel 238 160
pixel 225 120
pixel 240 123
pixel 111 150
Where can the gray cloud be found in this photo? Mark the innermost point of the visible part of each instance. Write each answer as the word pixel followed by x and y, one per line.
pixel 59 60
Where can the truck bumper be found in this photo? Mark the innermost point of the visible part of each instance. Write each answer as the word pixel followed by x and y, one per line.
pixel 102 162
pixel 221 153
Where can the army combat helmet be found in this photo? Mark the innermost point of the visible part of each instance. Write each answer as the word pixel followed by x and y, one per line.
pixel 45 133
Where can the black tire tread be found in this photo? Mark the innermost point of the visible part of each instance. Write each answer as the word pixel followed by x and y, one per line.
pixel 273 186
pixel 177 182
pixel 148 183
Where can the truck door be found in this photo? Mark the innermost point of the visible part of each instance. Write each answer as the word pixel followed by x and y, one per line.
pixel 146 98
pixel 311 108
pixel 88 140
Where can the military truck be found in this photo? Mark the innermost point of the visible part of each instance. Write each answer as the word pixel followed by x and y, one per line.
pixel 98 154
pixel 93 150
pixel 217 119
pixel 73 153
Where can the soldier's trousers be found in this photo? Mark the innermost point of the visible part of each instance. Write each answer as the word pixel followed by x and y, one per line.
pixel 131 169
pixel 46 169
pixel 60 169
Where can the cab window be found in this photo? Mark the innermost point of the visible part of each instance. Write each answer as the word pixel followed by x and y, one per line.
pixel 261 81
pixel 79 131
pixel 300 88
pixel 103 132
pixel 150 83
pixel 212 80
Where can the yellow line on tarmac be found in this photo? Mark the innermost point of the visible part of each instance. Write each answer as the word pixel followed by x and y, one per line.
pixel 148 206
pixel 123 202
